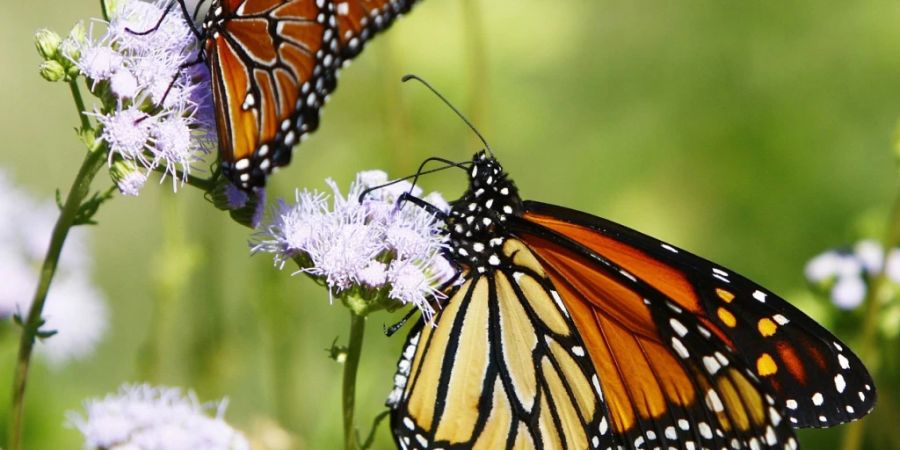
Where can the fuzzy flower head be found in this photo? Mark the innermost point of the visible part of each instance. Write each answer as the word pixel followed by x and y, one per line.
pixel 156 107
pixel 143 417
pixel 371 247
pixel 845 274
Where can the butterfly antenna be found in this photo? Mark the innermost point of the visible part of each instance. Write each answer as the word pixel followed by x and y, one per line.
pixel 449 164
pixel 447 102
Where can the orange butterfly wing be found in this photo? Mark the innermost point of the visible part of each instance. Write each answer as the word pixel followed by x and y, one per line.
pixel 783 346
pixel 664 374
pixel 272 64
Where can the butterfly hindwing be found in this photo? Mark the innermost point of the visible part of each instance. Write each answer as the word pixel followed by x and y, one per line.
pixel 360 20
pixel 272 63
pixel 503 368
pixel 784 347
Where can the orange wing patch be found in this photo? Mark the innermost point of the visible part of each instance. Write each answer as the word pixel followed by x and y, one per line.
pixel 663 277
pixel 681 379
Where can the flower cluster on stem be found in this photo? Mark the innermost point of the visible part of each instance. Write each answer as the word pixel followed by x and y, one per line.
pixel 370 247
pixel 155 110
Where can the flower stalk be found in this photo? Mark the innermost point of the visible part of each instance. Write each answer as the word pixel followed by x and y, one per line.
pixel 853 436
pixel 351 366
pixel 71 210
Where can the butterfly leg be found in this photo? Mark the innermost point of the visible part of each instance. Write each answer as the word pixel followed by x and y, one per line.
pixel 158 22
pixel 406 196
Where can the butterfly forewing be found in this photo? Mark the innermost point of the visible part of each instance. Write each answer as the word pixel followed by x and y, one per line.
pixel 784 347
pixel 667 379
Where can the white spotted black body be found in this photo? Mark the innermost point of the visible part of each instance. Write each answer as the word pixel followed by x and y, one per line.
pixel 477 222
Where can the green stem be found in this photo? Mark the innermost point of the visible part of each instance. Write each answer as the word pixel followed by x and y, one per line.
pixel 79 104
pixel 354 349
pixel 93 161
pixel 104 10
pixel 853 436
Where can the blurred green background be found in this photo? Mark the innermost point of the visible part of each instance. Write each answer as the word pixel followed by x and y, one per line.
pixel 757 134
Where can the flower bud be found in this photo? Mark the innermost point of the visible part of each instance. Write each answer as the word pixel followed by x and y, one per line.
pixel 47 43
pixel 52 71
pixel 128 176
pixel 70 47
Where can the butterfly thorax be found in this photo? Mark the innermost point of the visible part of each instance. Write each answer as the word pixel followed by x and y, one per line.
pixel 477 223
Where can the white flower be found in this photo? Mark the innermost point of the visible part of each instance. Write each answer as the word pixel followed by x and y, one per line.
pixel 892 266
pixel 163 114
pixel 822 267
pixel 143 417
pixel 75 312
pixel 846 275
pixel 368 244
pixel 74 309
pixel 127 132
pixel 848 292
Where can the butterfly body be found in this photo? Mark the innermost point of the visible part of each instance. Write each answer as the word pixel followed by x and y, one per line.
pixel 570 331
pixel 273 64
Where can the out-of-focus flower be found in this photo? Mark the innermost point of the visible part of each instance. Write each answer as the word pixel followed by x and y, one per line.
pixel 369 245
pixel 74 308
pixel 845 274
pixel 143 417
pixel 74 311
pixel 157 110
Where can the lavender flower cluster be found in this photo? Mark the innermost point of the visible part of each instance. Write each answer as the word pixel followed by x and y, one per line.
pixel 147 417
pixel 373 244
pixel 156 109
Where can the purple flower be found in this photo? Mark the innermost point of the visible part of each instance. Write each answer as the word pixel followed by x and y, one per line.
pixel 161 113
pixel 367 245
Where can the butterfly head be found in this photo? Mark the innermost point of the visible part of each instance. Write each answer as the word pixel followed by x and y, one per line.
pixel 477 221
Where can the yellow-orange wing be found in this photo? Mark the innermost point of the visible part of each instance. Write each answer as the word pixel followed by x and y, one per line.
pixel 503 368
pixel 272 64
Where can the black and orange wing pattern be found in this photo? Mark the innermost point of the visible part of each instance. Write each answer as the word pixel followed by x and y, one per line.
pixel 273 64
pixel 360 20
pixel 818 380
pixel 663 373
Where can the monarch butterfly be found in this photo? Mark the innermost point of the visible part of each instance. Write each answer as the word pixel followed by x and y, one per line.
pixel 273 64
pixel 568 331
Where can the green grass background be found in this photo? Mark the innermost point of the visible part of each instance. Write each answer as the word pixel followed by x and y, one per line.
pixel 756 134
